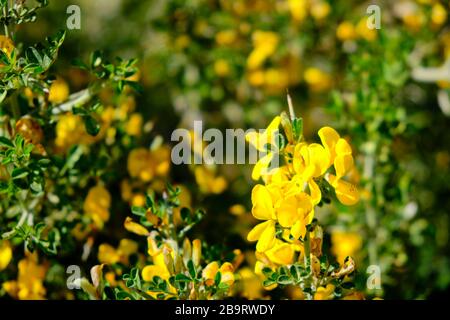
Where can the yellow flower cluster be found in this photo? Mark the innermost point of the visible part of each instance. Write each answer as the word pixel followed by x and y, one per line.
pixel 29 284
pixel 285 203
pixel 97 204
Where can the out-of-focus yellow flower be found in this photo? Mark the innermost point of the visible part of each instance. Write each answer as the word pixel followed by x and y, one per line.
pixel 97 204
pixel 320 10
pixel 265 44
pixel 32 132
pixel 317 79
pixel 70 130
pixel 182 42
pixel 324 293
pixel 237 209
pixel 138 200
pixel 226 37
pixel 208 182
pixel 5 254
pixel 251 284
pixel 299 9
pixel 221 68
pixel 59 91
pixel 346 31
pixel 109 255
pixel 276 79
pixel 30 280
pixel 364 31
pixel 438 14
pixel 226 270
pixel 414 21
pixel 345 244
pixel 146 164
pixel 133 127
pixel 6 45
pixel 256 78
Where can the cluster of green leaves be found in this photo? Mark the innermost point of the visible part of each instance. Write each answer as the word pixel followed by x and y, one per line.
pixel 27 172
pixel 19 13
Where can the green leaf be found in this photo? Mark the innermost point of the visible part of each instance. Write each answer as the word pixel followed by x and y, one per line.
pixel 6 142
pixel 91 125
pixel 182 277
pixel 19 173
pixel 297 128
pixel 139 211
pixel 217 278
pixel 191 269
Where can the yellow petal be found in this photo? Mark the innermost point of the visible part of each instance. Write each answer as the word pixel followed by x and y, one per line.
pixel 135 227
pixel 329 138
pixel 153 270
pixel 5 254
pixel 256 232
pixel 315 193
pixel 282 254
pixel 287 213
pixel 346 192
pixel 261 166
pixel 262 203
pixel 267 238
pixel 298 229
pixel 342 147
pixel 343 164
pixel 319 158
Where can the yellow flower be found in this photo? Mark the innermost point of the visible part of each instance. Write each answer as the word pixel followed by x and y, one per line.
pixel 265 44
pixel 97 204
pixel 5 254
pixel 226 37
pixel 109 255
pixel 30 279
pixel 208 182
pixel 226 271
pixel 59 91
pixel 320 10
pixel 251 284
pixel 146 164
pixel 298 9
pixel 221 68
pixel 364 32
pixel 133 127
pixel 281 253
pixel 438 14
pixel 344 244
pixel 324 293
pixel 317 80
pixel 264 200
pixel 346 31
pixel 259 141
pixel 340 154
pixel 70 131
